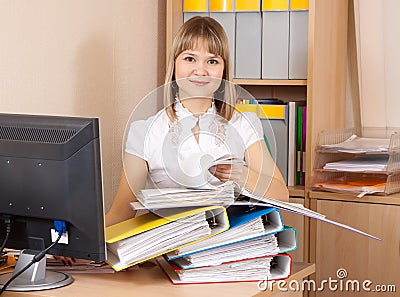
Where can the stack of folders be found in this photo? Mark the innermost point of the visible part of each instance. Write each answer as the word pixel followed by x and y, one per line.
pixel 254 248
pixel 150 235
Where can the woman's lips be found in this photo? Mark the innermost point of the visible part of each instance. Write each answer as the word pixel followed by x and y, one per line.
pixel 199 82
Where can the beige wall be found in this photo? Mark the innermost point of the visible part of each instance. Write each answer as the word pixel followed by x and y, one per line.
pixel 377 23
pixel 82 58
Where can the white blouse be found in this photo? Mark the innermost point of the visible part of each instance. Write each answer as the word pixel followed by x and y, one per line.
pixel 173 155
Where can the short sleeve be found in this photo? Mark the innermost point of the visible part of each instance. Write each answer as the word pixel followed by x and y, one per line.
pixel 136 138
pixel 251 128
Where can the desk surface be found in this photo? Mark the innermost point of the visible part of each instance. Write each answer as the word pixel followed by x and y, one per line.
pixel 151 281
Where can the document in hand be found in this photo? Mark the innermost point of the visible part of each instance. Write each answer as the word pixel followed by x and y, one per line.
pixel 148 236
pixel 196 171
pixel 245 223
pixel 266 245
pixel 264 268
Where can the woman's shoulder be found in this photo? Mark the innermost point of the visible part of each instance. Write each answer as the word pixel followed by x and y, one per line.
pixel 156 121
pixel 244 118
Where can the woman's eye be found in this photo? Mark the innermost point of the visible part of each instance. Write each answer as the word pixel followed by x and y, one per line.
pixel 213 61
pixel 189 59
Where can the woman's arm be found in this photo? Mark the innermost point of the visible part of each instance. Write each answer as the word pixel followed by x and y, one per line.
pixel 263 176
pixel 133 177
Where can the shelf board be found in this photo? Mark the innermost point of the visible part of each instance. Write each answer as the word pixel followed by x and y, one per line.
pixel 271 82
pixel 296 191
pixel 393 199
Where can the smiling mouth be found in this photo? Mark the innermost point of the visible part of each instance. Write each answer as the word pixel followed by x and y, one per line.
pixel 199 82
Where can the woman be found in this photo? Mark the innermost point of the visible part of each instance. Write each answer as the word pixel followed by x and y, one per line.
pixel 199 119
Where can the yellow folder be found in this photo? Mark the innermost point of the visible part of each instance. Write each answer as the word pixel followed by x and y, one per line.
pixel 221 5
pixel 194 5
pixel 150 222
pixel 247 5
pixel 247 108
pixel 275 5
pixel 298 4
pixel 272 111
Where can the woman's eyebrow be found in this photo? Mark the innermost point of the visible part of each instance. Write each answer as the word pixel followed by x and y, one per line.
pixel 193 53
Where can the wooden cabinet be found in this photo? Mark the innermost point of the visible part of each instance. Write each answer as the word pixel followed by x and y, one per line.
pixel 363 259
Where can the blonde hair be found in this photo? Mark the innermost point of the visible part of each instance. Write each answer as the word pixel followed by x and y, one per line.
pixel 217 42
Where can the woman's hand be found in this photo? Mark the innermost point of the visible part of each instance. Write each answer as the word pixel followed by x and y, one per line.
pixel 233 172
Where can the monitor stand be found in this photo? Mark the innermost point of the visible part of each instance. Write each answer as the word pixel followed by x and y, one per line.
pixel 36 277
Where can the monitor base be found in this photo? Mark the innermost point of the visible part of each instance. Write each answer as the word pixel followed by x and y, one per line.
pixel 36 277
pixel 52 280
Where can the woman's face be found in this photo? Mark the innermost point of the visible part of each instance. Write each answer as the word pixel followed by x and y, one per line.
pixel 198 73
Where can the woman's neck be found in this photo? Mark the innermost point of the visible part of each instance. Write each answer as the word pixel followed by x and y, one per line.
pixel 197 105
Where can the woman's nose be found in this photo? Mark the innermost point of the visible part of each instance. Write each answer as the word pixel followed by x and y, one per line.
pixel 200 70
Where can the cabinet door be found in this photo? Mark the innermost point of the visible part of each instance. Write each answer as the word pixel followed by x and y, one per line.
pixel 360 258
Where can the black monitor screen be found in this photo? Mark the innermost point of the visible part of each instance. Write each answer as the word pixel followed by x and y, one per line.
pixel 50 169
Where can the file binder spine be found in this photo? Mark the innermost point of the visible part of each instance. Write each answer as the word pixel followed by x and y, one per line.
pixel 298 39
pixel 275 39
pixel 248 39
pixel 222 11
pixel 192 8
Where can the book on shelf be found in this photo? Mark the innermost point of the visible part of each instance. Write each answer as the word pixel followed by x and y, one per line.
pixel 265 245
pixel 293 140
pixel 256 269
pixel 147 236
pixel 245 223
pixel 274 119
pixel 301 145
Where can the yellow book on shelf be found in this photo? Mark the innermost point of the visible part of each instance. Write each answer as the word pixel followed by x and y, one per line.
pixel 247 5
pixel 275 5
pixel 298 4
pixel 150 235
pixel 221 5
pixel 272 111
pixel 194 5
pixel 247 108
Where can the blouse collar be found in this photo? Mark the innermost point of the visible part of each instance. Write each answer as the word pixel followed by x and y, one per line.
pixel 183 112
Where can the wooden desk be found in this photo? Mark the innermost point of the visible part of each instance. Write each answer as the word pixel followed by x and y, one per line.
pixel 151 281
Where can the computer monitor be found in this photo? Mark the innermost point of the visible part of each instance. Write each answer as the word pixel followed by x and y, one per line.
pixel 50 169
